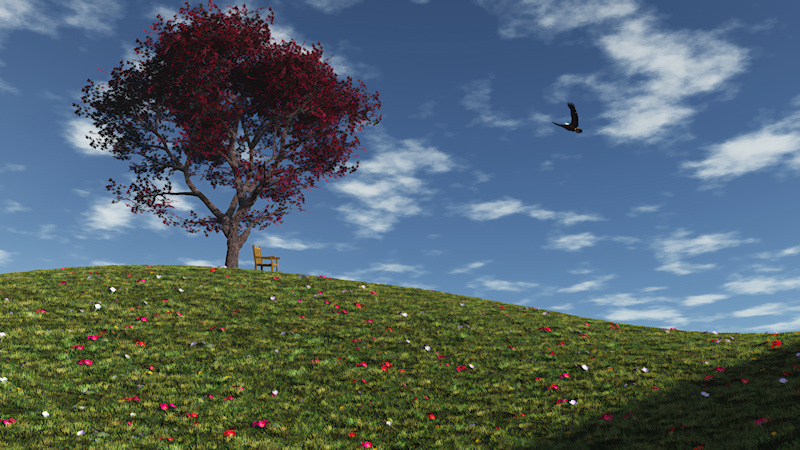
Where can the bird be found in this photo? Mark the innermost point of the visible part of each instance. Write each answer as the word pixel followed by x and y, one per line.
pixel 572 126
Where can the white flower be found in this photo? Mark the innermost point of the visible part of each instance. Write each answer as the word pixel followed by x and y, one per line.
pixel 45 413
pixel 112 289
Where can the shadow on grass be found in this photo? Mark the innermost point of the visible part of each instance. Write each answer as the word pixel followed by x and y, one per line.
pixel 681 417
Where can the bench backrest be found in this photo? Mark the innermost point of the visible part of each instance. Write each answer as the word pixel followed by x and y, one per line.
pixel 259 260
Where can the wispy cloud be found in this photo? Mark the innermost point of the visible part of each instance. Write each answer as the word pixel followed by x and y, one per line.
pixel 671 250
pixel 771 145
pixel 497 209
pixel 483 283
pixel 469 267
pixel 387 186
pixel 654 70
pixel 549 17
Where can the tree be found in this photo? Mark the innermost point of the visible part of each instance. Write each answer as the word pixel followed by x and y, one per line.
pixel 209 76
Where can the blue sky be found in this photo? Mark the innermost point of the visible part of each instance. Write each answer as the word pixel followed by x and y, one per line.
pixel 677 206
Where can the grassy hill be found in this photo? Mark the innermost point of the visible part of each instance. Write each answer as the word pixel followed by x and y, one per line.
pixel 201 357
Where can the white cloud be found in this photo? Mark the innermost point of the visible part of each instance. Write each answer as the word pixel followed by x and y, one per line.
pixel 5 258
pixel 791 251
pixel 477 99
pixel 331 6
pixel 674 248
pixel 705 299
pixel 762 285
pixel 626 299
pixel 25 15
pixel 653 70
pixel 500 285
pixel 289 244
pixel 93 15
pixel 750 152
pixel 574 242
pixel 570 218
pixel 45 232
pixel 643 210
pixel 425 110
pixel 5 87
pixel 684 268
pixel 387 186
pixel 552 16
pixel 662 314
pixel 496 209
pixel 8 167
pixel 469 267
pixel 103 215
pixel 767 309
pixel 675 65
pixel 12 207
pixel 374 268
pixel 592 285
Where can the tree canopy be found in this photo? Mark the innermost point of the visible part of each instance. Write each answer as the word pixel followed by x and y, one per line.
pixel 209 76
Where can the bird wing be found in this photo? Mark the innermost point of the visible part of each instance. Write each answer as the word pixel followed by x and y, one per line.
pixel 574 122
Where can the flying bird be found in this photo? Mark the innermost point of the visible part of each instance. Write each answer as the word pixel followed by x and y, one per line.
pixel 572 126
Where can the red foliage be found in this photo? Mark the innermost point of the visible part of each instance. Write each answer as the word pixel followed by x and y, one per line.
pixel 209 76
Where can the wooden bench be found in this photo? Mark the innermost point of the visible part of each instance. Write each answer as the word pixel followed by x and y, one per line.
pixel 260 260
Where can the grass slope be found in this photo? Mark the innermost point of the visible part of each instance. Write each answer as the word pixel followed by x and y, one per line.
pixel 198 357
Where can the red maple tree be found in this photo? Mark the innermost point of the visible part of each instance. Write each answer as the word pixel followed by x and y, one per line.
pixel 209 76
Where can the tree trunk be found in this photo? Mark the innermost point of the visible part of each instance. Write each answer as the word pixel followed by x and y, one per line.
pixel 235 243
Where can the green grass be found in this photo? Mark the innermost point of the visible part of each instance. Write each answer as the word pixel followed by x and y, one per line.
pixel 196 357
